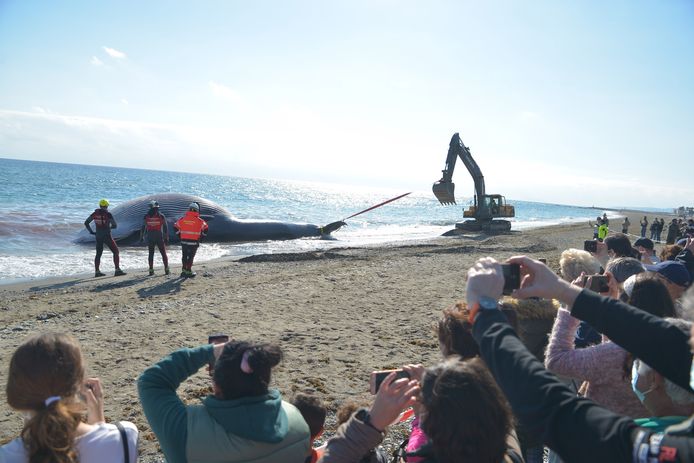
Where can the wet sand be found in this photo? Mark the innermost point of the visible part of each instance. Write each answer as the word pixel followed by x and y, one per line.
pixel 337 315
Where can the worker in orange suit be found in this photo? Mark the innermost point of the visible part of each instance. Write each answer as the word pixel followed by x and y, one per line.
pixel 190 228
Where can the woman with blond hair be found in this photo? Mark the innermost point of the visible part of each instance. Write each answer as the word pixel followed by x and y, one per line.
pixel 46 382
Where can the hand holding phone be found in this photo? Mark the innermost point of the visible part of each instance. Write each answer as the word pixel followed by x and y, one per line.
pixel 512 277
pixel 217 338
pixel 377 377
pixel 597 283
pixel 590 246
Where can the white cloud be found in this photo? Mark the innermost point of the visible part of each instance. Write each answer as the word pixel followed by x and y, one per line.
pixel 247 148
pixel 222 91
pixel 113 53
pixel 96 61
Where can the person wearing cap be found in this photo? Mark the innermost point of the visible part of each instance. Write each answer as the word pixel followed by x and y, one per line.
pixel 646 248
pixel 191 228
pixel 157 230
pixel 675 276
pixel 104 222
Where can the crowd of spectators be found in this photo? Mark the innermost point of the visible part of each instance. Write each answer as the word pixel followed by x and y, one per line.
pixel 617 388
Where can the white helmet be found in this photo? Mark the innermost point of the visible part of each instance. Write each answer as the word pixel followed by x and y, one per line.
pixel 153 204
pixel 194 207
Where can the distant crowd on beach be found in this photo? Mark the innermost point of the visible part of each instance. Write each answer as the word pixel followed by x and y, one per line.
pixel 589 361
pixel 677 229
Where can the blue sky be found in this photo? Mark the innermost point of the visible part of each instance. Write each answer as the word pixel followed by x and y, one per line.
pixel 568 102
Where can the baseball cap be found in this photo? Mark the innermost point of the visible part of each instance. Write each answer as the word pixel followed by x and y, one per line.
pixel 645 242
pixel 674 271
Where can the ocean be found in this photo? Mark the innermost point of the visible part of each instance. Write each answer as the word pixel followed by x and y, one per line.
pixel 45 204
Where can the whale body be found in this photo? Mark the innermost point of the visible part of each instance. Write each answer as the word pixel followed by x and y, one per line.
pixel 223 226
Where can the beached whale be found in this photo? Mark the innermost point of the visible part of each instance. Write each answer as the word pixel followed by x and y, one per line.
pixel 224 227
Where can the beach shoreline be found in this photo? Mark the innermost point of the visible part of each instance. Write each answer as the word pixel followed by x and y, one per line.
pixel 56 279
pixel 338 314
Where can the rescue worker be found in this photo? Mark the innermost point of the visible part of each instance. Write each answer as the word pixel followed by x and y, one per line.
pixel 157 230
pixel 104 222
pixel 191 228
pixel 603 230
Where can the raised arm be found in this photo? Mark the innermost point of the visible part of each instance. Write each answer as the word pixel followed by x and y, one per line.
pixel 625 325
pixel 165 412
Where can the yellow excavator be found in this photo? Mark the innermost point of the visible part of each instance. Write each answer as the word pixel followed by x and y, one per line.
pixel 486 207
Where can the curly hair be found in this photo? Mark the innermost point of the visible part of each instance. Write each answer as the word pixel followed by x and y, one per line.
pixel 455 333
pixel 466 415
pixel 574 261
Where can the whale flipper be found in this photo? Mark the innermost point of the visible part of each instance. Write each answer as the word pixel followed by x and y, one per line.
pixel 331 227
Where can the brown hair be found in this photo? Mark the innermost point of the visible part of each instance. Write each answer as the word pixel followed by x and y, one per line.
pixel 47 365
pixel 313 410
pixel 670 251
pixel 348 409
pixel 455 333
pixel 650 295
pixel 466 415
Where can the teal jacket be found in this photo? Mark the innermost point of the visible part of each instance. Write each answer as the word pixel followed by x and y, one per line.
pixel 259 429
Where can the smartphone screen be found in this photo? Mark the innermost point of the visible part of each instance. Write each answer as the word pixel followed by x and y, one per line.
pixel 599 284
pixel 217 338
pixel 511 277
pixel 377 378
pixel 590 246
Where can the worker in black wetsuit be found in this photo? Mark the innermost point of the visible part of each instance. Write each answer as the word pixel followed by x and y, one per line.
pixel 104 222
pixel 157 230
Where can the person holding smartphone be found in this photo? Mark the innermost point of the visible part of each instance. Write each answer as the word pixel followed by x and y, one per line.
pixel 46 382
pixel 243 420
pixel 576 428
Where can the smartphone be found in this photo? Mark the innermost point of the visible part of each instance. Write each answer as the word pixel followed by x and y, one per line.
pixel 590 246
pixel 511 277
pixel 377 378
pixel 217 338
pixel 598 283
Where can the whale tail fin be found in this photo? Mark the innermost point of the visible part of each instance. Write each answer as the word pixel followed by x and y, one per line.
pixel 331 227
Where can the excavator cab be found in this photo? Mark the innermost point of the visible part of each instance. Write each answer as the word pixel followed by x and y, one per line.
pixel 489 207
pixel 444 191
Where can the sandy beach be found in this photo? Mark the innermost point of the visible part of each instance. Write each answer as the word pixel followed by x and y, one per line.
pixel 337 315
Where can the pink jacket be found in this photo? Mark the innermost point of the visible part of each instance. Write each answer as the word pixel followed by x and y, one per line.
pixel 602 366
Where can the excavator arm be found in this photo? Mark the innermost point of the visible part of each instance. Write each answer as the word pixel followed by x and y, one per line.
pixel 487 207
pixel 444 189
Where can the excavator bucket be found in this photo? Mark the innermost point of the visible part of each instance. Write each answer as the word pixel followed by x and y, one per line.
pixel 444 192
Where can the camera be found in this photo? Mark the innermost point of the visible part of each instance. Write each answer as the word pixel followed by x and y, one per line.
pixel 598 283
pixel 511 277
pixel 377 377
pixel 590 246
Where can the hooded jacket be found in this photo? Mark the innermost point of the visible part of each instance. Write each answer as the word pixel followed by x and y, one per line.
pixel 259 429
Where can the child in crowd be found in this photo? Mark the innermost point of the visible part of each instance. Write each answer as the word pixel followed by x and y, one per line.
pixel 46 382
pixel 314 411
